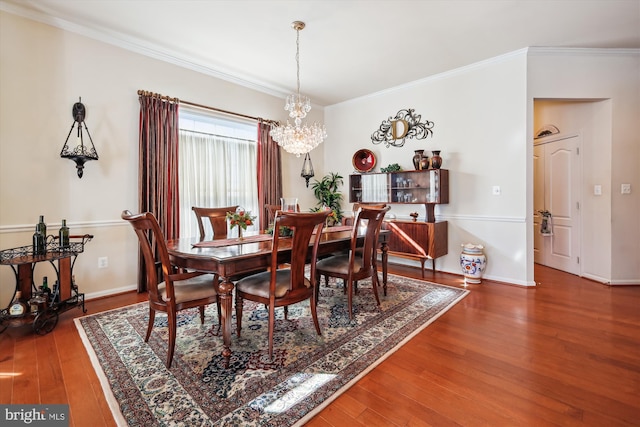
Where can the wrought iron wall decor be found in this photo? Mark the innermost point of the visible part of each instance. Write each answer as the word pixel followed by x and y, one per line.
pixel 406 124
pixel 81 153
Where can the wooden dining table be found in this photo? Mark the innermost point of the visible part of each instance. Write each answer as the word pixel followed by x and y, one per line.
pixel 231 258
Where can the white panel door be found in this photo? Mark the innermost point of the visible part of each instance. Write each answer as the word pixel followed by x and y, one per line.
pixel 559 163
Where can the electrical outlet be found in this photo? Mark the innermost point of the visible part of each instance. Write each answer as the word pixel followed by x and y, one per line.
pixel 625 188
pixel 597 190
pixel 496 190
pixel 103 262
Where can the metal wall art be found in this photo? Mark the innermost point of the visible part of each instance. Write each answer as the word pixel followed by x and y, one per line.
pixel 406 124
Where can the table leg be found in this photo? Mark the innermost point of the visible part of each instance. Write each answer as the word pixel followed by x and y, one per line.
pixel 385 257
pixel 64 278
pixel 24 280
pixel 225 289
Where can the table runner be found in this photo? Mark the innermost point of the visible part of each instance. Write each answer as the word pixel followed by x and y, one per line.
pixel 257 238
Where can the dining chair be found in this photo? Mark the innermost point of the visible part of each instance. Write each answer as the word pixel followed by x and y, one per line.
pixel 349 220
pixel 272 209
pixel 360 262
pixel 217 218
pixel 178 291
pixel 281 287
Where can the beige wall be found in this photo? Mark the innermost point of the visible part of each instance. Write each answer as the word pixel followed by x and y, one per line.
pixel 611 79
pixel 43 71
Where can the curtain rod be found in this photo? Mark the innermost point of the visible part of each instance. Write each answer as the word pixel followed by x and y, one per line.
pixel 193 104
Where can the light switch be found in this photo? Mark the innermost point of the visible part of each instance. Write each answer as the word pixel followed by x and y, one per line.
pixel 597 190
pixel 496 190
pixel 625 188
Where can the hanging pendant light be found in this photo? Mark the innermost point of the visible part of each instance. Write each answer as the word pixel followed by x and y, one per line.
pixel 298 138
pixel 307 169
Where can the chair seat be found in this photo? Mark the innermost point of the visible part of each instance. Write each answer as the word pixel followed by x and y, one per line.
pixel 258 284
pixel 339 264
pixel 199 287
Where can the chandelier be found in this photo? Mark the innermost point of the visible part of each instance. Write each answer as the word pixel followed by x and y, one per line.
pixel 299 138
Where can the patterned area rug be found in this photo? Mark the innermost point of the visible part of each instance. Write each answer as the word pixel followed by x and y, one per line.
pixel 306 373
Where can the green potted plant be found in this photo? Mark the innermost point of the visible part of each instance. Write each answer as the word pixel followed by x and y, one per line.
pixel 326 191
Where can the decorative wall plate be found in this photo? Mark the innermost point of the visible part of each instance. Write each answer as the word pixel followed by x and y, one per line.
pixel 364 160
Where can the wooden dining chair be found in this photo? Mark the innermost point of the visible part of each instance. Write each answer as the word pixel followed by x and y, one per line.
pixel 272 209
pixel 349 220
pixel 178 291
pixel 360 262
pixel 281 287
pixel 217 218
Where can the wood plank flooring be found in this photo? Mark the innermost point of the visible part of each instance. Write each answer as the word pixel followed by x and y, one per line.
pixel 566 353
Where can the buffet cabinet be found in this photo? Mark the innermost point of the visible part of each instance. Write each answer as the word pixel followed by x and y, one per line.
pixel 421 240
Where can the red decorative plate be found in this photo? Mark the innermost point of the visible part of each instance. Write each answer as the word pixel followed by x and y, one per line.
pixel 364 160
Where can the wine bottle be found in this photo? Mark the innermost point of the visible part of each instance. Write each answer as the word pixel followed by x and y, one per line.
pixel 63 235
pixel 46 291
pixel 18 308
pixel 39 242
pixel 43 227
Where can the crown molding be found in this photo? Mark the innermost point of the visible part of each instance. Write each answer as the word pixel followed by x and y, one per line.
pixel 141 47
pixel 580 51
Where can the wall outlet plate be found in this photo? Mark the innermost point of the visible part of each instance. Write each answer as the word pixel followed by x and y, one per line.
pixel 625 188
pixel 496 190
pixel 103 262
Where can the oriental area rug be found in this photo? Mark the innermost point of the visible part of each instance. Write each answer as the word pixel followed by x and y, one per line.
pixel 306 373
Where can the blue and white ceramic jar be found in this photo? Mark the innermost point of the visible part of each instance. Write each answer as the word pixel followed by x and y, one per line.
pixel 472 262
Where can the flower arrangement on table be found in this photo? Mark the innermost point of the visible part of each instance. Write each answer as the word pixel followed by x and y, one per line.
pixel 241 218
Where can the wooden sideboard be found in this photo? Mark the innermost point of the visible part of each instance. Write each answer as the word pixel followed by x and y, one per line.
pixel 421 240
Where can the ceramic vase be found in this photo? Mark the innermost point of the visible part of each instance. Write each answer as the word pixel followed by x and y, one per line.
pixel 436 160
pixel 417 159
pixel 424 162
pixel 473 263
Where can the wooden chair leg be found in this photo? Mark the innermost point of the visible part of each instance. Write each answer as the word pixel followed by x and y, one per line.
pixel 152 318
pixel 239 307
pixel 201 309
pixel 350 298
pixel 374 285
pixel 272 315
pixel 314 313
pixel 286 312
pixel 172 336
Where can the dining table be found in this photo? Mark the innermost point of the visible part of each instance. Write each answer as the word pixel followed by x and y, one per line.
pixel 231 258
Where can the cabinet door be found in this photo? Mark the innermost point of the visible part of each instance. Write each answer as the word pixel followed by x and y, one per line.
pixel 423 239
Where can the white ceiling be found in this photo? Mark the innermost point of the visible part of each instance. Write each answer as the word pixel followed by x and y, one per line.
pixel 349 48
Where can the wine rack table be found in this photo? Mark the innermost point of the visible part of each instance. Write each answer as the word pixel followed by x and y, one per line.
pixel 66 296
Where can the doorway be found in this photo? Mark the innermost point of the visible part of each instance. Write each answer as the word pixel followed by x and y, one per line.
pixel 556 202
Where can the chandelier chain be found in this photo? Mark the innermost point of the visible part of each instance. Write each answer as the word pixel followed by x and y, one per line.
pixel 298 59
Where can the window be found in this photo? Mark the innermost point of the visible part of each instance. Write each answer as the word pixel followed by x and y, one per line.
pixel 217 165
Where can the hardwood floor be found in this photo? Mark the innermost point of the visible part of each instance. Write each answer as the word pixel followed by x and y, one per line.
pixel 564 353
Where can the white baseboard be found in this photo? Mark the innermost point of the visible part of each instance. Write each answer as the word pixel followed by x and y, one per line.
pixel 114 291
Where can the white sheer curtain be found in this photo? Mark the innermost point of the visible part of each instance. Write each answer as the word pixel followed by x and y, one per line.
pixel 215 171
